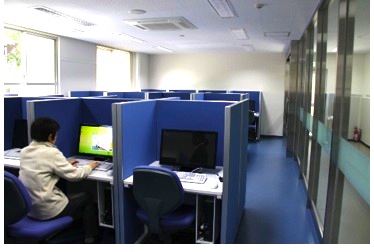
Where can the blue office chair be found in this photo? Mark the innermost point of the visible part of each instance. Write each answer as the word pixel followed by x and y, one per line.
pixel 18 226
pixel 160 195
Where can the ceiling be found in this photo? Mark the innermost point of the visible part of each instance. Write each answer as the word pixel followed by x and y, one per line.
pixel 268 29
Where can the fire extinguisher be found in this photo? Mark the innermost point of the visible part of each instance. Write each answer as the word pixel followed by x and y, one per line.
pixel 356 134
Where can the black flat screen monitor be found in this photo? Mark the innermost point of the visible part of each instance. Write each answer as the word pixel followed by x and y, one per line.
pixel 188 149
pixel 252 105
pixel 95 141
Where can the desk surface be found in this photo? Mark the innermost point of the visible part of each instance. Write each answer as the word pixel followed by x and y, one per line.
pixel 95 175
pixel 205 189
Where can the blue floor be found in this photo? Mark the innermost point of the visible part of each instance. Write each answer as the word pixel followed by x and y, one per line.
pixel 275 206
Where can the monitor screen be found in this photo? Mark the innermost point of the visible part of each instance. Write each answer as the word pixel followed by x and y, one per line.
pixel 95 140
pixel 252 105
pixel 188 149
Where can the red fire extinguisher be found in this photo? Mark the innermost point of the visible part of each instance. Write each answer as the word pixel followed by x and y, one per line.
pixel 356 134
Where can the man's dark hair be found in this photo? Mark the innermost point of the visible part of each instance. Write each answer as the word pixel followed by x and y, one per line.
pixel 42 127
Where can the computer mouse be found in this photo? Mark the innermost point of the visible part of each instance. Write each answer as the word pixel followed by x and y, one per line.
pixel 109 172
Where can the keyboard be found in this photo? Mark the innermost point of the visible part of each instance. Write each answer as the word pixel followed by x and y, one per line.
pixel 198 178
pixel 13 153
pixel 104 166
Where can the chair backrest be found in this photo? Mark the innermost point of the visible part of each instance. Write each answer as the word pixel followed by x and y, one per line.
pixel 158 191
pixel 17 198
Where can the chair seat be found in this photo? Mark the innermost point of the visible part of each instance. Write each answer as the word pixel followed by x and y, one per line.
pixel 29 228
pixel 181 218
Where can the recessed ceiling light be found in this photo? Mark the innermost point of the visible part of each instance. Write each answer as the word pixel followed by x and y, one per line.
pixel 164 49
pixel 277 34
pixel 223 8
pixel 239 34
pixel 137 11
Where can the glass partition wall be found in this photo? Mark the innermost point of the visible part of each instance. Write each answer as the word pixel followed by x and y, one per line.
pixel 328 118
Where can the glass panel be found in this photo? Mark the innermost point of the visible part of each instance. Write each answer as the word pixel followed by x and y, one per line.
pixel 113 71
pixel 325 127
pixel 12 52
pixel 40 59
pixel 354 158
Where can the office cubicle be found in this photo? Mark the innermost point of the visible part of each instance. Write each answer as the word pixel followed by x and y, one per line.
pixel 86 93
pixel 181 95
pixel 137 140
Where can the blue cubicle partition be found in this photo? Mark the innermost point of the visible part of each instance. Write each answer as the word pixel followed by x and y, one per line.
pixel 158 95
pixel 254 96
pixel 218 96
pixel 153 90
pixel 86 93
pixel 136 95
pixel 15 109
pixel 137 128
pixel 212 91
pixel 183 90
pixel 70 113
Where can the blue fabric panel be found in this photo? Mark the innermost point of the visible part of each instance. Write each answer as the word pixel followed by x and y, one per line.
pixel 234 174
pixel 79 93
pixel 199 96
pixel 98 110
pixel 139 135
pixel 67 113
pixel 182 96
pixel 154 95
pixel 139 95
pixel 183 90
pixel 153 90
pixel 96 93
pixel 252 95
pixel 212 91
pixel 138 148
pixel 222 97
pixel 192 115
pixel 12 111
pixel 255 95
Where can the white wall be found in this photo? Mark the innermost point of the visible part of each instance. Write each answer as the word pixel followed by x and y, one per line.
pixel 228 71
pixel 77 66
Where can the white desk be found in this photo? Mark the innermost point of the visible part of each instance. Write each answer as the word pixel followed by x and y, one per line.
pixel 208 205
pixel 102 179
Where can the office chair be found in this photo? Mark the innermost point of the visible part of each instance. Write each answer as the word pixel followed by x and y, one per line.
pixel 18 226
pixel 160 195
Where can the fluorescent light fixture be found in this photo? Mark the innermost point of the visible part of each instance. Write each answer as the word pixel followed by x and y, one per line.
pixel 248 47
pixel 164 49
pixel 223 8
pixel 239 34
pixel 131 38
pixel 277 34
pixel 55 13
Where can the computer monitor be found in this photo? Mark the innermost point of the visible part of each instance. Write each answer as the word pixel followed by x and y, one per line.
pixel 188 149
pixel 95 141
pixel 252 105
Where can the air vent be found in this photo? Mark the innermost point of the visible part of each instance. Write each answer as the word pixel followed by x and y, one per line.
pixel 50 11
pixel 161 24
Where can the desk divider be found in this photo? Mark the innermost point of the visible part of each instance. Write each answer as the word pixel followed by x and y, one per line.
pixel 234 169
pixel 137 94
pixel 134 144
pixel 15 109
pixel 86 93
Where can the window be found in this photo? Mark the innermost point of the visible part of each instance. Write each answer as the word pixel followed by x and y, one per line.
pixel 30 63
pixel 113 69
